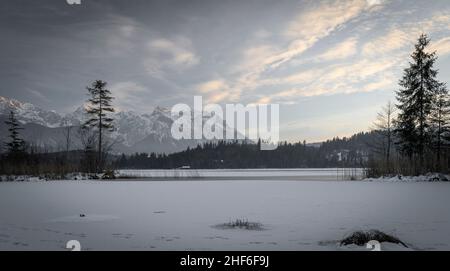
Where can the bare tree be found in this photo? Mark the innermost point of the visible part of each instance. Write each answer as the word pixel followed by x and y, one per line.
pixel 384 128
pixel 440 123
pixel 88 139
pixel 67 132
pixel 67 138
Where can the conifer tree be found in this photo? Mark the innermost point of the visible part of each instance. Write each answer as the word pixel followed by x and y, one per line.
pixel 419 86
pixel 16 145
pixel 97 110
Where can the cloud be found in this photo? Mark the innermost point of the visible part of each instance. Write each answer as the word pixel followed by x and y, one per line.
pixel 211 86
pixel 119 37
pixel 280 97
pixel 175 55
pixel 253 58
pixel 301 33
pixel 354 77
pixel 262 34
pixel 311 26
pixel 395 39
pixel 127 30
pixel 217 97
pixel 382 83
pixel 362 76
pixel 215 91
pixel 374 2
pixel 324 18
pixel 129 95
pixel 377 67
pixel 360 70
pixel 442 46
pixel 342 50
pixel 38 94
pixel 302 77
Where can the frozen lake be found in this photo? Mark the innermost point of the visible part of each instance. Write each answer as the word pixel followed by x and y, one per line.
pixel 298 174
pixel 180 215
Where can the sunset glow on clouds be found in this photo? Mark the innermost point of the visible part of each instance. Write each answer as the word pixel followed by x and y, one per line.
pixel 355 64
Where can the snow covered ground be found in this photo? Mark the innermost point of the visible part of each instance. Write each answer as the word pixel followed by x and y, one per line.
pixel 182 215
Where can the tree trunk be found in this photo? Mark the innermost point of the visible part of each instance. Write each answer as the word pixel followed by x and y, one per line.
pixel 388 151
pixel 438 166
pixel 99 168
pixel 422 132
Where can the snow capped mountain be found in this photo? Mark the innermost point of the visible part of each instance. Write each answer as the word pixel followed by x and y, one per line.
pixel 161 123
pixel 131 127
pixel 29 113
pixel 134 132
pixel 75 118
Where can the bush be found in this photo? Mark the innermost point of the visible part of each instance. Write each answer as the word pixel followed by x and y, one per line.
pixel 108 175
pixel 241 224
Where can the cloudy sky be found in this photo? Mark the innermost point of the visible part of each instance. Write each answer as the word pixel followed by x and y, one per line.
pixel 329 64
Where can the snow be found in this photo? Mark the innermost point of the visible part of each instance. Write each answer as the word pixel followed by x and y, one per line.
pixel 181 214
pixel 83 218
pixel 20 178
pixel 27 112
pixel 76 176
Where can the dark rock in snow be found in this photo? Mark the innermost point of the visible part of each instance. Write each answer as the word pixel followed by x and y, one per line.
pixel 361 238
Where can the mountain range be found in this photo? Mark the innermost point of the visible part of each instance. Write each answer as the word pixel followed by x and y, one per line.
pixel 134 132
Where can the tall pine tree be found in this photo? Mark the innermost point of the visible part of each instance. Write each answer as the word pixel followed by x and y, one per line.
pixel 16 145
pixel 419 86
pixel 97 110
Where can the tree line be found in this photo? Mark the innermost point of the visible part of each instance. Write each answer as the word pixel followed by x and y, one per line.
pixel 337 152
